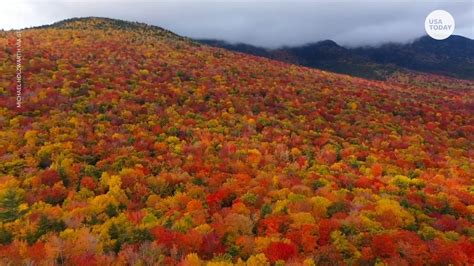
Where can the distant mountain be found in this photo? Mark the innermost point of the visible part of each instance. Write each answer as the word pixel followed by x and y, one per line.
pixel 239 47
pixel 451 57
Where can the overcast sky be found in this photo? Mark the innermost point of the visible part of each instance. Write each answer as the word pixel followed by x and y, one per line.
pixel 264 23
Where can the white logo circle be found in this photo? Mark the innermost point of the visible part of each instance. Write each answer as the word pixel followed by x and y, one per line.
pixel 439 24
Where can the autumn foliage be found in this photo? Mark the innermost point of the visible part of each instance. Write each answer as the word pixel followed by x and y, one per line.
pixel 134 146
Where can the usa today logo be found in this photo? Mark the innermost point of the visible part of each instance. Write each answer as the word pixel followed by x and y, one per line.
pixel 439 24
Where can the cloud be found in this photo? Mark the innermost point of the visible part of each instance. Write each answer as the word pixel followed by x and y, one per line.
pixel 264 23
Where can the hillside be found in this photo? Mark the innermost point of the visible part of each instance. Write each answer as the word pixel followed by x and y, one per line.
pixel 138 148
pixel 453 57
pixel 99 23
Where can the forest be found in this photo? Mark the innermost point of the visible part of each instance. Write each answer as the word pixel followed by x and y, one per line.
pixel 134 146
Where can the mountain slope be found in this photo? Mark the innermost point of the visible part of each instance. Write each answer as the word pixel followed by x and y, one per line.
pixel 451 57
pixel 99 23
pixel 325 55
pixel 133 148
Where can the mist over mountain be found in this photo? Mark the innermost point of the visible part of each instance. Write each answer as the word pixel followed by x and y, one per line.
pixel 451 57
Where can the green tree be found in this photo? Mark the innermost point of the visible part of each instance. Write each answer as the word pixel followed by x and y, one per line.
pixel 10 202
